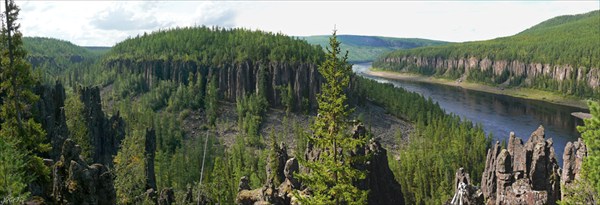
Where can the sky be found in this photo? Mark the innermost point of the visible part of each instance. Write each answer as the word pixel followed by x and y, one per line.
pixel 105 23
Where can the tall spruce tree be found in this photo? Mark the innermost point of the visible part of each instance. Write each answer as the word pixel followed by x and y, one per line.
pixel 332 177
pixel 18 127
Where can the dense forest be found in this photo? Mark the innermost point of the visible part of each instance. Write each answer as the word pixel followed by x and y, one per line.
pixel 178 116
pixel 368 48
pixel 560 54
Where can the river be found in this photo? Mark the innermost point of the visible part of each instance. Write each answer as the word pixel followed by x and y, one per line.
pixel 498 114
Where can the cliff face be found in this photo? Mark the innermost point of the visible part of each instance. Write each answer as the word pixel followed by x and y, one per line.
pixel 49 111
pixel 523 173
pixel 105 133
pixel 383 188
pixel 235 79
pixel 516 68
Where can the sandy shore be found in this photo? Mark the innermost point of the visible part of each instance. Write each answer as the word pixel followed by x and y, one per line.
pixel 525 93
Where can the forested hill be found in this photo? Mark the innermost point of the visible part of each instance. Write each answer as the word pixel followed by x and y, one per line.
pixel 54 57
pixel 240 60
pixel 368 48
pixel 215 46
pixel 562 53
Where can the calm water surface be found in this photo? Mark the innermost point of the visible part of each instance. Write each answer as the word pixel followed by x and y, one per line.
pixel 498 114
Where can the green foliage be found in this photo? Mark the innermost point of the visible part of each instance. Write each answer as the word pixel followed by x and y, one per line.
pixel 57 59
pixel 590 133
pixel 564 40
pixel 215 46
pixel 368 48
pixel 579 191
pixel 13 174
pixel 130 165
pixel 439 145
pixel 212 101
pixel 287 97
pixel 74 112
pixel 18 127
pixel 250 112
pixel 331 177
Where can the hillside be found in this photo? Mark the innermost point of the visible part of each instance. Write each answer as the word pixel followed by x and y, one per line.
pixel 562 53
pixel 56 58
pixel 368 48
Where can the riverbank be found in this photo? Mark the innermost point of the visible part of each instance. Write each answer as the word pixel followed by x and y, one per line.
pixel 525 93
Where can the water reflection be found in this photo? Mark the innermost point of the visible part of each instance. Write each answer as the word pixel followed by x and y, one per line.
pixel 499 114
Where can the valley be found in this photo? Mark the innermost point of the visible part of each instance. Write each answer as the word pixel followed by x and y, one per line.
pixel 187 113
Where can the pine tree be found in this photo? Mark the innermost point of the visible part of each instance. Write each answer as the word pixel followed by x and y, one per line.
pixel 212 101
pixel 18 126
pixel 590 133
pixel 77 125
pixel 331 178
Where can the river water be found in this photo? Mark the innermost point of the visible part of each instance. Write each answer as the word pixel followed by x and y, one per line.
pixel 498 114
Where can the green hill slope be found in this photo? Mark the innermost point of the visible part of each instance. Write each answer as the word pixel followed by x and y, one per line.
pixel 562 53
pixel 54 58
pixel 368 48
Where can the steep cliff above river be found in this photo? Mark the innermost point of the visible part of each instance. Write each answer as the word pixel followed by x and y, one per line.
pixel 536 57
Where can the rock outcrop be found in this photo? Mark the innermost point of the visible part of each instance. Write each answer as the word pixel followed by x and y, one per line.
pixel 522 174
pixel 380 180
pixel 74 182
pixel 464 192
pixel 105 133
pixel 49 111
pixel 236 79
pixel 572 161
pixel 517 69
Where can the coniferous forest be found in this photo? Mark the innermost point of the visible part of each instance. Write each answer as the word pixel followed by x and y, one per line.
pixel 212 115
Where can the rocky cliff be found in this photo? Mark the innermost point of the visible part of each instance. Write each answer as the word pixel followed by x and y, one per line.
pixel 49 111
pixel 106 133
pixel 523 173
pixel 74 182
pixel 515 69
pixel 380 180
pixel 235 79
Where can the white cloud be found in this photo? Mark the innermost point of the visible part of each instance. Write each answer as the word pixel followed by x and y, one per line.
pixel 106 23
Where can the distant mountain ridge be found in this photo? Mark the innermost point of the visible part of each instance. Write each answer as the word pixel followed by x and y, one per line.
pixel 368 48
pixel 560 54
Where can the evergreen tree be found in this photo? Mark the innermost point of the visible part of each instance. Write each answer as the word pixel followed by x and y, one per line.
pixel 331 178
pixel 13 178
pixel 590 133
pixel 212 101
pixel 76 125
pixel 18 126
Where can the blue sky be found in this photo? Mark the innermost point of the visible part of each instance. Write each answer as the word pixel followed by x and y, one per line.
pixel 104 23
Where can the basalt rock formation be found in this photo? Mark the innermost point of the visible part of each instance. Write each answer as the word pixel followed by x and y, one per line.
pixel 380 180
pixel 49 111
pixel 105 133
pixel 523 173
pixel 235 79
pixel 572 161
pixel 465 192
pixel 74 182
pixel 516 68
